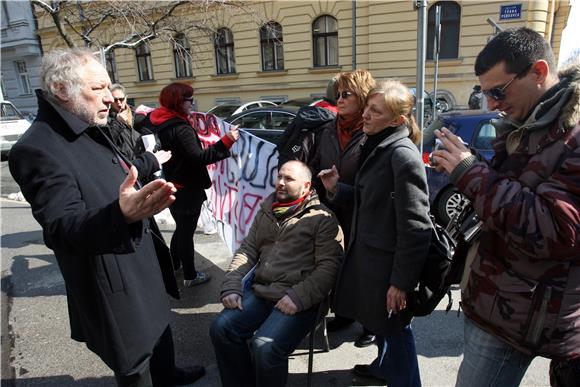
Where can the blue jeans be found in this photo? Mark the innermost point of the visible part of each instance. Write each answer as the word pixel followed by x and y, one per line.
pixel 397 360
pixel 488 361
pixel 273 336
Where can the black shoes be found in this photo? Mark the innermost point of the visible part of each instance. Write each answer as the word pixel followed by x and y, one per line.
pixel 187 375
pixel 365 339
pixel 338 323
pixel 364 371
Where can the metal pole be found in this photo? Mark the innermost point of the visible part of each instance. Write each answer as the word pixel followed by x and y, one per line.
pixel 436 49
pixel 421 6
pixel 353 34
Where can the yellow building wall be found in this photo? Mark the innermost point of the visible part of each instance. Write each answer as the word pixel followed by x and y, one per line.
pixel 386 35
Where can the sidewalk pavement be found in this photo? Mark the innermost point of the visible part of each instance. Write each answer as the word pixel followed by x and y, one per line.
pixel 35 322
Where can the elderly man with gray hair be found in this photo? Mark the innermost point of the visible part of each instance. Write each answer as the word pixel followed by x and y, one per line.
pixel 97 219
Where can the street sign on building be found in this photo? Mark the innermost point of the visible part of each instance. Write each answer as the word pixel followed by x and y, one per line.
pixel 508 12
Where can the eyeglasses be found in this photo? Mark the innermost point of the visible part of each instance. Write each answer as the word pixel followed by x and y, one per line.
pixel 498 93
pixel 119 99
pixel 344 95
pixel 190 99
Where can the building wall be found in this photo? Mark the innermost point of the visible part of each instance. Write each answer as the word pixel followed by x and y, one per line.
pixel 19 43
pixel 386 34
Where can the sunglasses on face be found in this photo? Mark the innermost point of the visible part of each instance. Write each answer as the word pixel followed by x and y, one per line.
pixel 498 93
pixel 344 95
pixel 190 99
pixel 119 99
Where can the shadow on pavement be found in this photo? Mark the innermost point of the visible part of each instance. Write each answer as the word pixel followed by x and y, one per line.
pixel 22 239
pixel 62 381
pixel 44 279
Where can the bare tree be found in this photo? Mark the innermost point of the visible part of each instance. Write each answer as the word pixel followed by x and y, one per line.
pixel 109 24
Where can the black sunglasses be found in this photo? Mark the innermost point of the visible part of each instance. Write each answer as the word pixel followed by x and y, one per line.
pixel 190 99
pixel 119 99
pixel 344 95
pixel 498 93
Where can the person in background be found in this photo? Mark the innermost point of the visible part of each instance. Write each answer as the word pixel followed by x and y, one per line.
pixel 96 218
pixel 521 296
pixel 391 233
pixel 187 170
pixel 339 143
pixel 295 246
pixel 121 122
pixel 475 98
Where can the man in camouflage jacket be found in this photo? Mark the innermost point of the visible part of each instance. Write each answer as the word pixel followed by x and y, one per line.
pixel 522 295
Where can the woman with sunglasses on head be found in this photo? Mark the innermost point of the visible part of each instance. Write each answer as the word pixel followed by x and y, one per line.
pixel 186 170
pixel 339 144
pixel 391 232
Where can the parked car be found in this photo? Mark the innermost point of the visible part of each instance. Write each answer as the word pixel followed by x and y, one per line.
pixel 475 128
pixel 299 102
pixel 268 123
pixel 229 109
pixel 12 126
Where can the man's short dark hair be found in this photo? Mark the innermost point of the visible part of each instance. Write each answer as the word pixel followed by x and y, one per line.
pixel 518 48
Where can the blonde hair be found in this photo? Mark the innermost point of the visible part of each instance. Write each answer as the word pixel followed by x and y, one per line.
pixel 359 81
pixel 399 101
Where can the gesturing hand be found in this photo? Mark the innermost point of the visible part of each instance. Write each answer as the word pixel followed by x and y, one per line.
pixel 232 301
pixel 162 156
pixel 286 305
pixel 148 201
pixel 453 152
pixel 329 178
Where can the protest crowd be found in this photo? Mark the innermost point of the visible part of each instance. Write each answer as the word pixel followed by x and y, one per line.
pixel 347 227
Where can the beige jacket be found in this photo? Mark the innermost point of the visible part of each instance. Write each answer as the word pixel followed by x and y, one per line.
pixel 299 256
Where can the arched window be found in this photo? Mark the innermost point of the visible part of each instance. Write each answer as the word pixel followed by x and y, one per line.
pixel 271 44
pixel 224 51
pixel 182 56
pixel 144 65
pixel 325 41
pixel 450 17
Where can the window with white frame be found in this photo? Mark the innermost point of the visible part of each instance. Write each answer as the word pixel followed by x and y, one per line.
pixel 23 80
pixel 182 56
pixel 271 44
pixel 144 65
pixel 224 51
pixel 325 41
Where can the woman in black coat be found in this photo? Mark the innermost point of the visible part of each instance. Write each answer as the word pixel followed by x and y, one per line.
pixel 186 170
pixel 390 233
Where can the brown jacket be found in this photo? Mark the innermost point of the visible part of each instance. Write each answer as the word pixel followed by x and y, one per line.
pixel 300 256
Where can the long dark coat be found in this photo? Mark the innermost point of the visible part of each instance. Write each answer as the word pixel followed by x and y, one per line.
pixel 390 232
pixel 116 283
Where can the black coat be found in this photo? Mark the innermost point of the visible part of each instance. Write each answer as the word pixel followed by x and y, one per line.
pixel 187 166
pixel 327 154
pixel 390 233
pixel 116 283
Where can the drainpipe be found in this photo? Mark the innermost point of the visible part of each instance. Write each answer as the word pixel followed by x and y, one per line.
pixel 421 6
pixel 353 34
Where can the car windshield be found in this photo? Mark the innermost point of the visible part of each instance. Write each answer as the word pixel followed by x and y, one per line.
pixel 224 110
pixel 9 113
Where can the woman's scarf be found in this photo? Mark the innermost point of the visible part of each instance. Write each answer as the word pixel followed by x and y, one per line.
pixel 283 210
pixel 347 127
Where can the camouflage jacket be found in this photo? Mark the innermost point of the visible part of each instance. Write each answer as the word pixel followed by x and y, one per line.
pixel 524 283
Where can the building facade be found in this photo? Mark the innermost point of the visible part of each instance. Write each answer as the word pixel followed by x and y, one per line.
pixel 290 49
pixel 21 55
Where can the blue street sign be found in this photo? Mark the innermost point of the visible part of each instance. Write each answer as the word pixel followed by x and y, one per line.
pixel 513 11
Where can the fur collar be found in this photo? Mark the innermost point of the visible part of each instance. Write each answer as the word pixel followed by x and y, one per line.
pixel 570 115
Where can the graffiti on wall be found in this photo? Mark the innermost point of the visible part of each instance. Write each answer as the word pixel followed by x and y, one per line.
pixel 240 182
